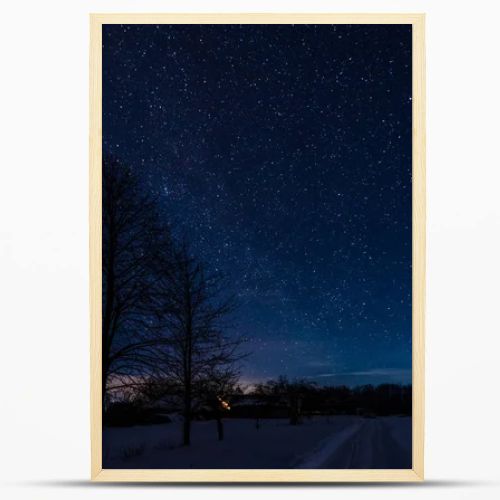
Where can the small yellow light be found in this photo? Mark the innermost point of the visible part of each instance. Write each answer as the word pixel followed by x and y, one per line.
pixel 224 404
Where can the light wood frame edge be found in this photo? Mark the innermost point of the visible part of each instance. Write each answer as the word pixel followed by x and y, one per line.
pixel 419 252
pixel 95 241
pixel 418 244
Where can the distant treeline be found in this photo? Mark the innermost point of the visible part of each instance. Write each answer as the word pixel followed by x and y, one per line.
pixel 281 398
pixel 302 398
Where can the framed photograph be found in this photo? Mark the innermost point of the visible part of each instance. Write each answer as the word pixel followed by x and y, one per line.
pixel 257 247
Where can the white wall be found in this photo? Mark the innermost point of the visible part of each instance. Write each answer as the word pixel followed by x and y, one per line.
pixel 44 431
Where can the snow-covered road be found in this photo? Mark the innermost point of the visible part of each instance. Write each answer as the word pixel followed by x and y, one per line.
pixel 366 444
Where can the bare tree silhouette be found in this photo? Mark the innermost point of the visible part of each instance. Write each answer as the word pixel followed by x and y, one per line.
pixel 195 318
pixel 132 236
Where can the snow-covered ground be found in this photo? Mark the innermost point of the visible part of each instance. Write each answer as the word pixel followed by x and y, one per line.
pixel 320 442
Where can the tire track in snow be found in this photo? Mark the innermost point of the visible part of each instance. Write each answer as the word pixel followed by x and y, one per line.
pixel 328 447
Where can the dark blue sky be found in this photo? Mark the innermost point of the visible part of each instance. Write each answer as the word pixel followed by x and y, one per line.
pixel 284 153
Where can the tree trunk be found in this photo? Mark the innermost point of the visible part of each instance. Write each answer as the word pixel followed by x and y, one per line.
pixel 186 431
pixel 104 379
pixel 107 319
pixel 295 411
pixel 188 360
pixel 220 428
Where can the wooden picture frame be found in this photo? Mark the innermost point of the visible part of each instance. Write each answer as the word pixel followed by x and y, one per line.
pixel 418 256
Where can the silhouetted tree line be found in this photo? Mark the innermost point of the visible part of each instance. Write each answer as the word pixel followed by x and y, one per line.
pixel 295 400
pixel 301 398
pixel 165 316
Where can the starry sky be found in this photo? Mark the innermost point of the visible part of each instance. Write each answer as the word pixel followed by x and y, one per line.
pixel 283 152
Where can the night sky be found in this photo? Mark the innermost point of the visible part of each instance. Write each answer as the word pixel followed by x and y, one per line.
pixel 283 152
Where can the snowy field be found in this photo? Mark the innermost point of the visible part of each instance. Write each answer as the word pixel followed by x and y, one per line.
pixel 321 442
